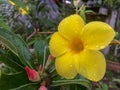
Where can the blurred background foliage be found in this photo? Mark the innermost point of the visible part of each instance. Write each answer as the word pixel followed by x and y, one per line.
pixel 34 25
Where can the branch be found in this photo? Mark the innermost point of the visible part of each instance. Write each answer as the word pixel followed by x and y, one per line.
pixel 45 32
pixel 113 66
pixel 32 34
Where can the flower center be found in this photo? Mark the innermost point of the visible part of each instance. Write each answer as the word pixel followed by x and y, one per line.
pixel 76 45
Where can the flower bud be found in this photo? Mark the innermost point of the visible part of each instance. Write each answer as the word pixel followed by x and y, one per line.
pixel 32 74
pixel 40 67
pixel 42 88
pixel 76 2
pixel 50 58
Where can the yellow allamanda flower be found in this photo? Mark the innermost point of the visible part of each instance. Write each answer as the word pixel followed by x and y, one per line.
pixel 11 2
pixel 23 11
pixel 76 46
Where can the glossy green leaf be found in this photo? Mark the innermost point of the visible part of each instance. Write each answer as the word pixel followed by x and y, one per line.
pixel 40 46
pixel 8 82
pixel 76 81
pixel 11 60
pixel 17 46
pixel 9 44
pixel 30 86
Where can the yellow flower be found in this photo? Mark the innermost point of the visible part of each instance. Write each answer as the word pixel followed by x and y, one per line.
pixel 11 2
pixel 76 46
pixel 23 11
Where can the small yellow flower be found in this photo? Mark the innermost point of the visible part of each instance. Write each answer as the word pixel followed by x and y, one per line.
pixel 11 2
pixel 23 11
pixel 76 46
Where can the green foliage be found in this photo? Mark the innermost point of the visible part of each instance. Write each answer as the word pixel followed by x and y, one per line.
pixel 11 60
pixel 4 25
pixel 103 86
pixel 8 82
pixel 40 49
pixel 116 80
pixel 17 46
pixel 75 81
pixel 30 86
pixel 19 3
pixel 112 3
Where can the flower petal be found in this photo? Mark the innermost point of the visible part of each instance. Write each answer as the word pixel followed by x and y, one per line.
pixel 57 45
pixel 71 26
pixel 65 66
pixel 97 35
pixel 91 64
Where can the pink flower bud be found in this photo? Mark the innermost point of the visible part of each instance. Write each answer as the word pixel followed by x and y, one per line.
pixel 32 74
pixel 42 88
pixel 50 57
pixel 40 67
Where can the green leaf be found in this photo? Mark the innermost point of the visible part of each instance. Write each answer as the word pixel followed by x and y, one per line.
pixel 9 44
pixel 76 81
pixel 4 25
pixel 20 4
pixel 89 11
pixel 30 86
pixel 39 49
pixel 17 46
pixel 104 86
pixel 116 80
pixel 11 60
pixel 8 82
pixel 82 14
